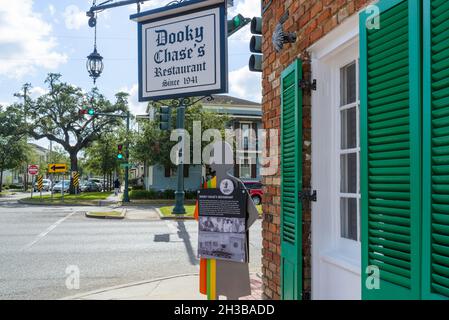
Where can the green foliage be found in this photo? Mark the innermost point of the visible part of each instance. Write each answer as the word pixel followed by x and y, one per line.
pixel 55 116
pixel 100 157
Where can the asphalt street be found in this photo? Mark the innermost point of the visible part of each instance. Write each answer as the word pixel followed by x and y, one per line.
pixel 41 248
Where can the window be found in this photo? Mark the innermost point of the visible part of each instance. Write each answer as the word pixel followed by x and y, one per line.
pixel 245 169
pixel 349 152
pixel 245 135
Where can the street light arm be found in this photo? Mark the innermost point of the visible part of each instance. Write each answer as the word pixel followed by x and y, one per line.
pixel 106 5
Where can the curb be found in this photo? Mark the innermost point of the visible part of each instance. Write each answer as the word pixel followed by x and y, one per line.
pixel 99 203
pixel 162 217
pixel 132 284
pixel 121 216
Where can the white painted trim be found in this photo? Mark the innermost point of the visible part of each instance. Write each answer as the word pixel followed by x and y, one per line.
pixel 327 245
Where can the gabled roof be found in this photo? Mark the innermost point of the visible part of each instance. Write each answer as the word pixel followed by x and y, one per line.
pixel 225 100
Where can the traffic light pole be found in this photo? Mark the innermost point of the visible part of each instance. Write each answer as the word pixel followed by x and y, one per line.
pixel 126 192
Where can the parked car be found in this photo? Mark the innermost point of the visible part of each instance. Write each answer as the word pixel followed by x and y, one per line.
pixel 97 181
pixel 255 191
pixel 60 186
pixel 90 186
pixel 46 185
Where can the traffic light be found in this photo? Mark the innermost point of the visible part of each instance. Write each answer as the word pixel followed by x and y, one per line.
pixel 237 23
pixel 164 118
pixel 255 45
pixel 87 110
pixel 120 152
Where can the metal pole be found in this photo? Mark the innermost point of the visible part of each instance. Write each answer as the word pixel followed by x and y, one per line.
pixel 125 193
pixel 179 193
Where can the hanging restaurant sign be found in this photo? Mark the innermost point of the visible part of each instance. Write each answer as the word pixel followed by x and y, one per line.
pixel 182 50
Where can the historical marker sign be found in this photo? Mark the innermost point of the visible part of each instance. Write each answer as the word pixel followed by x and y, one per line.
pixel 222 223
pixel 182 50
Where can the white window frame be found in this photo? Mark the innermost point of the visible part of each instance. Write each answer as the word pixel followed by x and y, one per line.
pixel 347 247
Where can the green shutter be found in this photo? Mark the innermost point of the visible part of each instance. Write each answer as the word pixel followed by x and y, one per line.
pixel 436 150
pixel 291 182
pixel 391 150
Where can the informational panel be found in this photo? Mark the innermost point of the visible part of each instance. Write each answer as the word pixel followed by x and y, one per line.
pixel 222 223
pixel 182 51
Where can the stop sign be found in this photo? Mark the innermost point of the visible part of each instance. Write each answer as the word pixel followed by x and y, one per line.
pixel 33 169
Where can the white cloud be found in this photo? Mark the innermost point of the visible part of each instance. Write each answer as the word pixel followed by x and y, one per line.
pixel 74 18
pixel 26 40
pixel 136 107
pixel 51 9
pixel 38 91
pixel 245 84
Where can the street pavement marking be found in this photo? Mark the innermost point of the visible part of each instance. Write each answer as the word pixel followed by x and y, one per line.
pixel 47 231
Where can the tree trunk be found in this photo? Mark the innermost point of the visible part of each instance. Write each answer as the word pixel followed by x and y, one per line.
pixel 1 179
pixel 73 167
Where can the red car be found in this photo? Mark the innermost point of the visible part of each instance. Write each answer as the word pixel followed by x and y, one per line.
pixel 255 191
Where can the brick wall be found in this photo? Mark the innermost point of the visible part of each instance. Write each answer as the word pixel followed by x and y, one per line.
pixel 311 20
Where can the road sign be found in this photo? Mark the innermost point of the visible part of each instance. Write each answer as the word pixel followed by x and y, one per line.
pixel 182 50
pixel 33 169
pixel 75 178
pixel 40 182
pixel 57 168
pixel 124 165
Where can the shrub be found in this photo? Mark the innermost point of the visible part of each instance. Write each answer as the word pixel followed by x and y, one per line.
pixel 137 194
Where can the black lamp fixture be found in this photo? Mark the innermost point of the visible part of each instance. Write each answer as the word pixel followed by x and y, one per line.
pixel 94 63
pixel 280 37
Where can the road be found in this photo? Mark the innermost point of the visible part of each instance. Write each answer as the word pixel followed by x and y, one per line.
pixel 38 245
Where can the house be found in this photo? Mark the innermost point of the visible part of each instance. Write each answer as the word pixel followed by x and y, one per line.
pixel 371 139
pixel 245 118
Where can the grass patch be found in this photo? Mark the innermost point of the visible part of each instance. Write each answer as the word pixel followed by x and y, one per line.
pixel 82 196
pixel 190 209
pixel 167 211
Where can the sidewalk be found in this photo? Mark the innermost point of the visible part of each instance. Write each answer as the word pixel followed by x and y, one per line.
pixel 181 287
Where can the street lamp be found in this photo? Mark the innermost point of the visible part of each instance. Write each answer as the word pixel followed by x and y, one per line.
pixel 94 64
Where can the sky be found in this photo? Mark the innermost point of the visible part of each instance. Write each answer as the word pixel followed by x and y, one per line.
pixel 42 36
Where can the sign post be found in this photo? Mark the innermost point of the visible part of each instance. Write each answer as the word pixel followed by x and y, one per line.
pixel 40 184
pixel 183 53
pixel 33 169
pixel 58 168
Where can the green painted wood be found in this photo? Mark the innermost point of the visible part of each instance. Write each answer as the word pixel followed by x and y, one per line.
pixel 291 182
pixel 390 85
pixel 435 226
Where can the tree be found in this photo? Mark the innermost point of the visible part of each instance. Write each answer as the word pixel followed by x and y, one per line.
pixel 101 157
pixel 14 150
pixel 55 116
pixel 13 153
